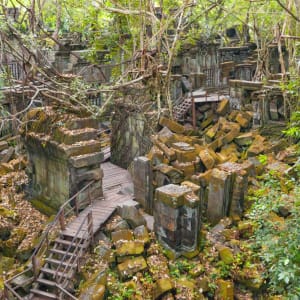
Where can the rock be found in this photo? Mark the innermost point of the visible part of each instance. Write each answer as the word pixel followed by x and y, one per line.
pixel 246 229
pixel 257 146
pixel 105 252
pixel 184 152
pixel 141 233
pixel 244 139
pixel 218 196
pixel 99 292
pixel 175 175
pixel 131 214
pixel 168 152
pixel 158 266
pixel 223 107
pixel 85 160
pixel 166 136
pixel 211 132
pixel 196 271
pixel 225 290
pixel 172 125
pixel 123 234
pixel 81 148
pixel 226 255
pixel 251 278
pixel 207 159
pixel 125 248
pixel 156 156
pixel 243 119
pixel 7 154
pixel 161 287
pixel 130 267
pixel 6 264
pixel 188 168
pixel 203 284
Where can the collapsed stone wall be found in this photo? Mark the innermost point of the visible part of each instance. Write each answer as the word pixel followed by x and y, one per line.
pixel 64 155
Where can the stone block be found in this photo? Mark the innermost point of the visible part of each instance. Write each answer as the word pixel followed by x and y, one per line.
pixel 244 139
pixel 174 174
pixel 85 160
pixel 187 168
pixel 172 125
pixel 207 159
pixel 7 154
pixel 168 152
pixel 121 235
pixel 223 107
pixel 161 287
pixel 225 290
pixel 68 137
pixel 143 182
pixel 131 214
pixel 81 123
pixel 125 248
pixel 95 174
pixel 218 197
pixel 128 268
pixel 257 146
pixel 166 136
pixel 81 148
pixel 156 156
pixel 211 132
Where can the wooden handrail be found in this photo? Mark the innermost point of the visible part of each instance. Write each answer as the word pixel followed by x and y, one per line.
pixel 38 251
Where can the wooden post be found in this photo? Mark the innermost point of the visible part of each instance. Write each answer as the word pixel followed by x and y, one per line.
pixel 35 266
pixel 193 112
pixel 62 220
pixel 5 292
pixel 90 227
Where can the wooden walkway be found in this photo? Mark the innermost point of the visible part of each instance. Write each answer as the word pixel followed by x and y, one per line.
pixel 117 183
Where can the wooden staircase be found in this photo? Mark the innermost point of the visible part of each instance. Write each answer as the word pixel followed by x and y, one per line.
pixel 179 111
pixel 60 267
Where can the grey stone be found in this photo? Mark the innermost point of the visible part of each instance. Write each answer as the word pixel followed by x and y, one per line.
pixel 131 214
pixel 81 161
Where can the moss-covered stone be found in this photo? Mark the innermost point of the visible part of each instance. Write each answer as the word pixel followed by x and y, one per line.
pixel 120 235
pixel 130 267
pixel 125 248
pixel 161 287
pixel 226 255
pixel 225 290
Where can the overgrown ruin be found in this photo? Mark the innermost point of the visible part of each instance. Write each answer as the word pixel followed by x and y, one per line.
pixel 149 152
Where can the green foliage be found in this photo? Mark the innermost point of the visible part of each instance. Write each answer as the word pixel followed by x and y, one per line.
pixel 278 238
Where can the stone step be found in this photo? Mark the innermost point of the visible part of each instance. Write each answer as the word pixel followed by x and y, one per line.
pixel 81 123
pixel 81 148
pixel 45 295
pixel 69 137
pixel 85 160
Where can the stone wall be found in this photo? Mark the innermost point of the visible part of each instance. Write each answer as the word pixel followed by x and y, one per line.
pixel 64 155
pixel 131 130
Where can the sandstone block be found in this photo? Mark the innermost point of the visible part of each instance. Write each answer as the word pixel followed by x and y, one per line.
pixel 172 125
pixel 207 159
pixel 85 160
pixel 3 145
pixel 223 107
pixel 161 287
pixel 128 268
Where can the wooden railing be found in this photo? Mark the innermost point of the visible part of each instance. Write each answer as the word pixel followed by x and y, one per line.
pixel 70 208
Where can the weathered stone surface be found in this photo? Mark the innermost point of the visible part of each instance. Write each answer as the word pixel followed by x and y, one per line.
pixel 85 160
pixel 127 248
pixel 218 195
pixel 177 217
pixel 257 146
pixel 223 107
pixel 128 268
pixel 226 255
pixel 156 156
pixel 7 154
pixel 143 182
pixel 141 233
pixel 158 266
pixel 172 173
pixel 225 290
pixel 131 214
pixel 244 139
pixel 161 287
pixel 80 148
pixel 123 234
pixel 166 136
pixel 207 159
pixel 187 168
pixel 168 152
pixel 172 125
pixel 81 123
pixel 68 137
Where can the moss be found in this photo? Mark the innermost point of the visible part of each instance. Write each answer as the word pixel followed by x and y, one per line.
pixel 40 205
